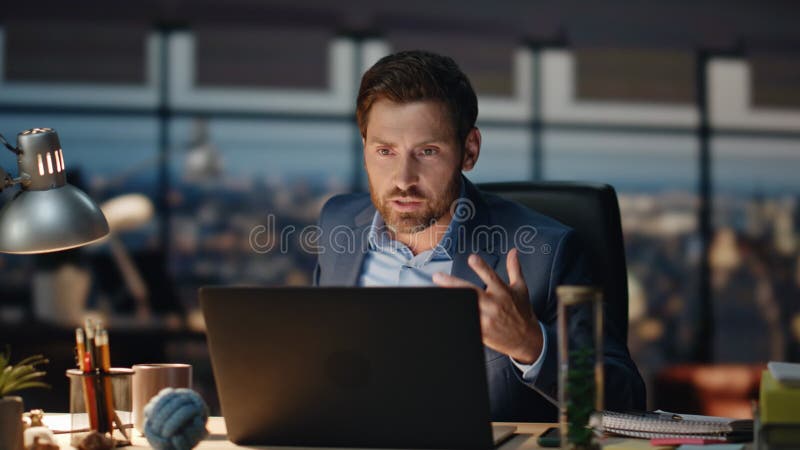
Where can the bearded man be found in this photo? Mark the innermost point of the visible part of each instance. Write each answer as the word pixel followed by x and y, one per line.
pixel 423 223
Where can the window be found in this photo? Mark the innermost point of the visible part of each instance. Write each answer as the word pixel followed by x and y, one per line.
pixel 754 253
pixel 505 155
pixel 242 193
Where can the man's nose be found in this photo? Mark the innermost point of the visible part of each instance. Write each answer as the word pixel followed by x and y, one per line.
pixel 406 174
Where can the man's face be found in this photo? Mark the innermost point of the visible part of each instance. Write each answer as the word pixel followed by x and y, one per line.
pixel 414 162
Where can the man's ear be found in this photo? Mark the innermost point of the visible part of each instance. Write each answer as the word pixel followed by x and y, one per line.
pixel 472 149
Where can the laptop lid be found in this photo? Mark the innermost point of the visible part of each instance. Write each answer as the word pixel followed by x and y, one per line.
pixel 350 367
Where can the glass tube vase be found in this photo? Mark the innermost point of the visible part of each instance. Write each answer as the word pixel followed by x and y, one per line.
pixel 580 369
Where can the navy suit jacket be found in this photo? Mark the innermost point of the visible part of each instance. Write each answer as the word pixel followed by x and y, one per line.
pixel 551 256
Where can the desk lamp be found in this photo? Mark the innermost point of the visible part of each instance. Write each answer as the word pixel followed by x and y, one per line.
pixel 48 214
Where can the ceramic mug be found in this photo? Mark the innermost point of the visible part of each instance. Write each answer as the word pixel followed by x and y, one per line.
pixel 149 379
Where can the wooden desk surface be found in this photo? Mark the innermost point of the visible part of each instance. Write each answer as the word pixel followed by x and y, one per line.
pixel 524 440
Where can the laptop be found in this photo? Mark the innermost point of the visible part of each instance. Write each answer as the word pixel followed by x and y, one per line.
pixel 350 367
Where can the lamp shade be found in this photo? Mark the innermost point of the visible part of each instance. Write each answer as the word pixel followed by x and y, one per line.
pixel 49 221
pixel 48 214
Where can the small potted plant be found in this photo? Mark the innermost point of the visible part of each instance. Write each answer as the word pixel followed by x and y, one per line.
pixel 14 378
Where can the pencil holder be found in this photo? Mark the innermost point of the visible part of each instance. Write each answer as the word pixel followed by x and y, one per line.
pixel 100 402
pixel 580 369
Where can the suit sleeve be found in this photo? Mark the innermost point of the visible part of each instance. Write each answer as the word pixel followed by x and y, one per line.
pixel 624 388
pixel 317 274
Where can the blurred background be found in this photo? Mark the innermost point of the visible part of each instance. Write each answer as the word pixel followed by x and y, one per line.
pixel 226 115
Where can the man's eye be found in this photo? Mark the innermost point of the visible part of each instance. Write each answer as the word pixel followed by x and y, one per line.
pixel 429 151
pixel 384 151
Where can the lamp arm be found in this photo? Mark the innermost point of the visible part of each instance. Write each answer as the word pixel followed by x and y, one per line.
pixel 5 179
pixel 10 147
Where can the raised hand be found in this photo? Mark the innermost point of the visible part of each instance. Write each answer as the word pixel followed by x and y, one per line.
pixel 508 323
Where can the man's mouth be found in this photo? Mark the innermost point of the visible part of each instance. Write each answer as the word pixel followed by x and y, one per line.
pixel 406 204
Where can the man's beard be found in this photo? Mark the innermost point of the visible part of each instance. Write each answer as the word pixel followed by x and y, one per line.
pixel 435 207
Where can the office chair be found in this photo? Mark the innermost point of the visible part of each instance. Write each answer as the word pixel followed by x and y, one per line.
pixel 593 212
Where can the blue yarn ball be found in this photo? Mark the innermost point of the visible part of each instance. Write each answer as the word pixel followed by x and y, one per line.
pixel 175 419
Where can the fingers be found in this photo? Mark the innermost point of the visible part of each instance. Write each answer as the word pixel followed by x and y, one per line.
pixel 515 278
pixel 486 273
pixel 445 280
pixel 513 267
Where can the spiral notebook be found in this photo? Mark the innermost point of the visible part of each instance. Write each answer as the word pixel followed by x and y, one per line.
pixel 662 424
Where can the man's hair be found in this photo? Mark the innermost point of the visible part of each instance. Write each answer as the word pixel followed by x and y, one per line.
pixel 418 75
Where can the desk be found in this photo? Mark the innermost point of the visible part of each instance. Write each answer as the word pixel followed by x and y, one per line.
pixel 524 440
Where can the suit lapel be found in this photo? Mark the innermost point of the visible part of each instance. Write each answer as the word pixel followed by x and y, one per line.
pixel 477 221
pixel 347 266
pixel 462 270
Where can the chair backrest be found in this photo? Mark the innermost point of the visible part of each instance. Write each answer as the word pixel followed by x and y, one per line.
pixel 593 212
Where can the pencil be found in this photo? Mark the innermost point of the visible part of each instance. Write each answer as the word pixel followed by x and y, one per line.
pixel 94 366
pixel 88 388
pixel 105 358
pixel 105 366
pixel 90 343
pixel 104 425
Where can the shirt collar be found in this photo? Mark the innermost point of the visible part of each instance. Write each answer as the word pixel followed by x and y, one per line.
pixel 380 239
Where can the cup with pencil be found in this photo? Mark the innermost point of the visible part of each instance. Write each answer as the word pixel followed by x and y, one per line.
pixel 100 396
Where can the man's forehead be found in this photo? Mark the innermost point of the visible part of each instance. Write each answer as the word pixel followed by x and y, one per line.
pixel 425 121
pixel 400 135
